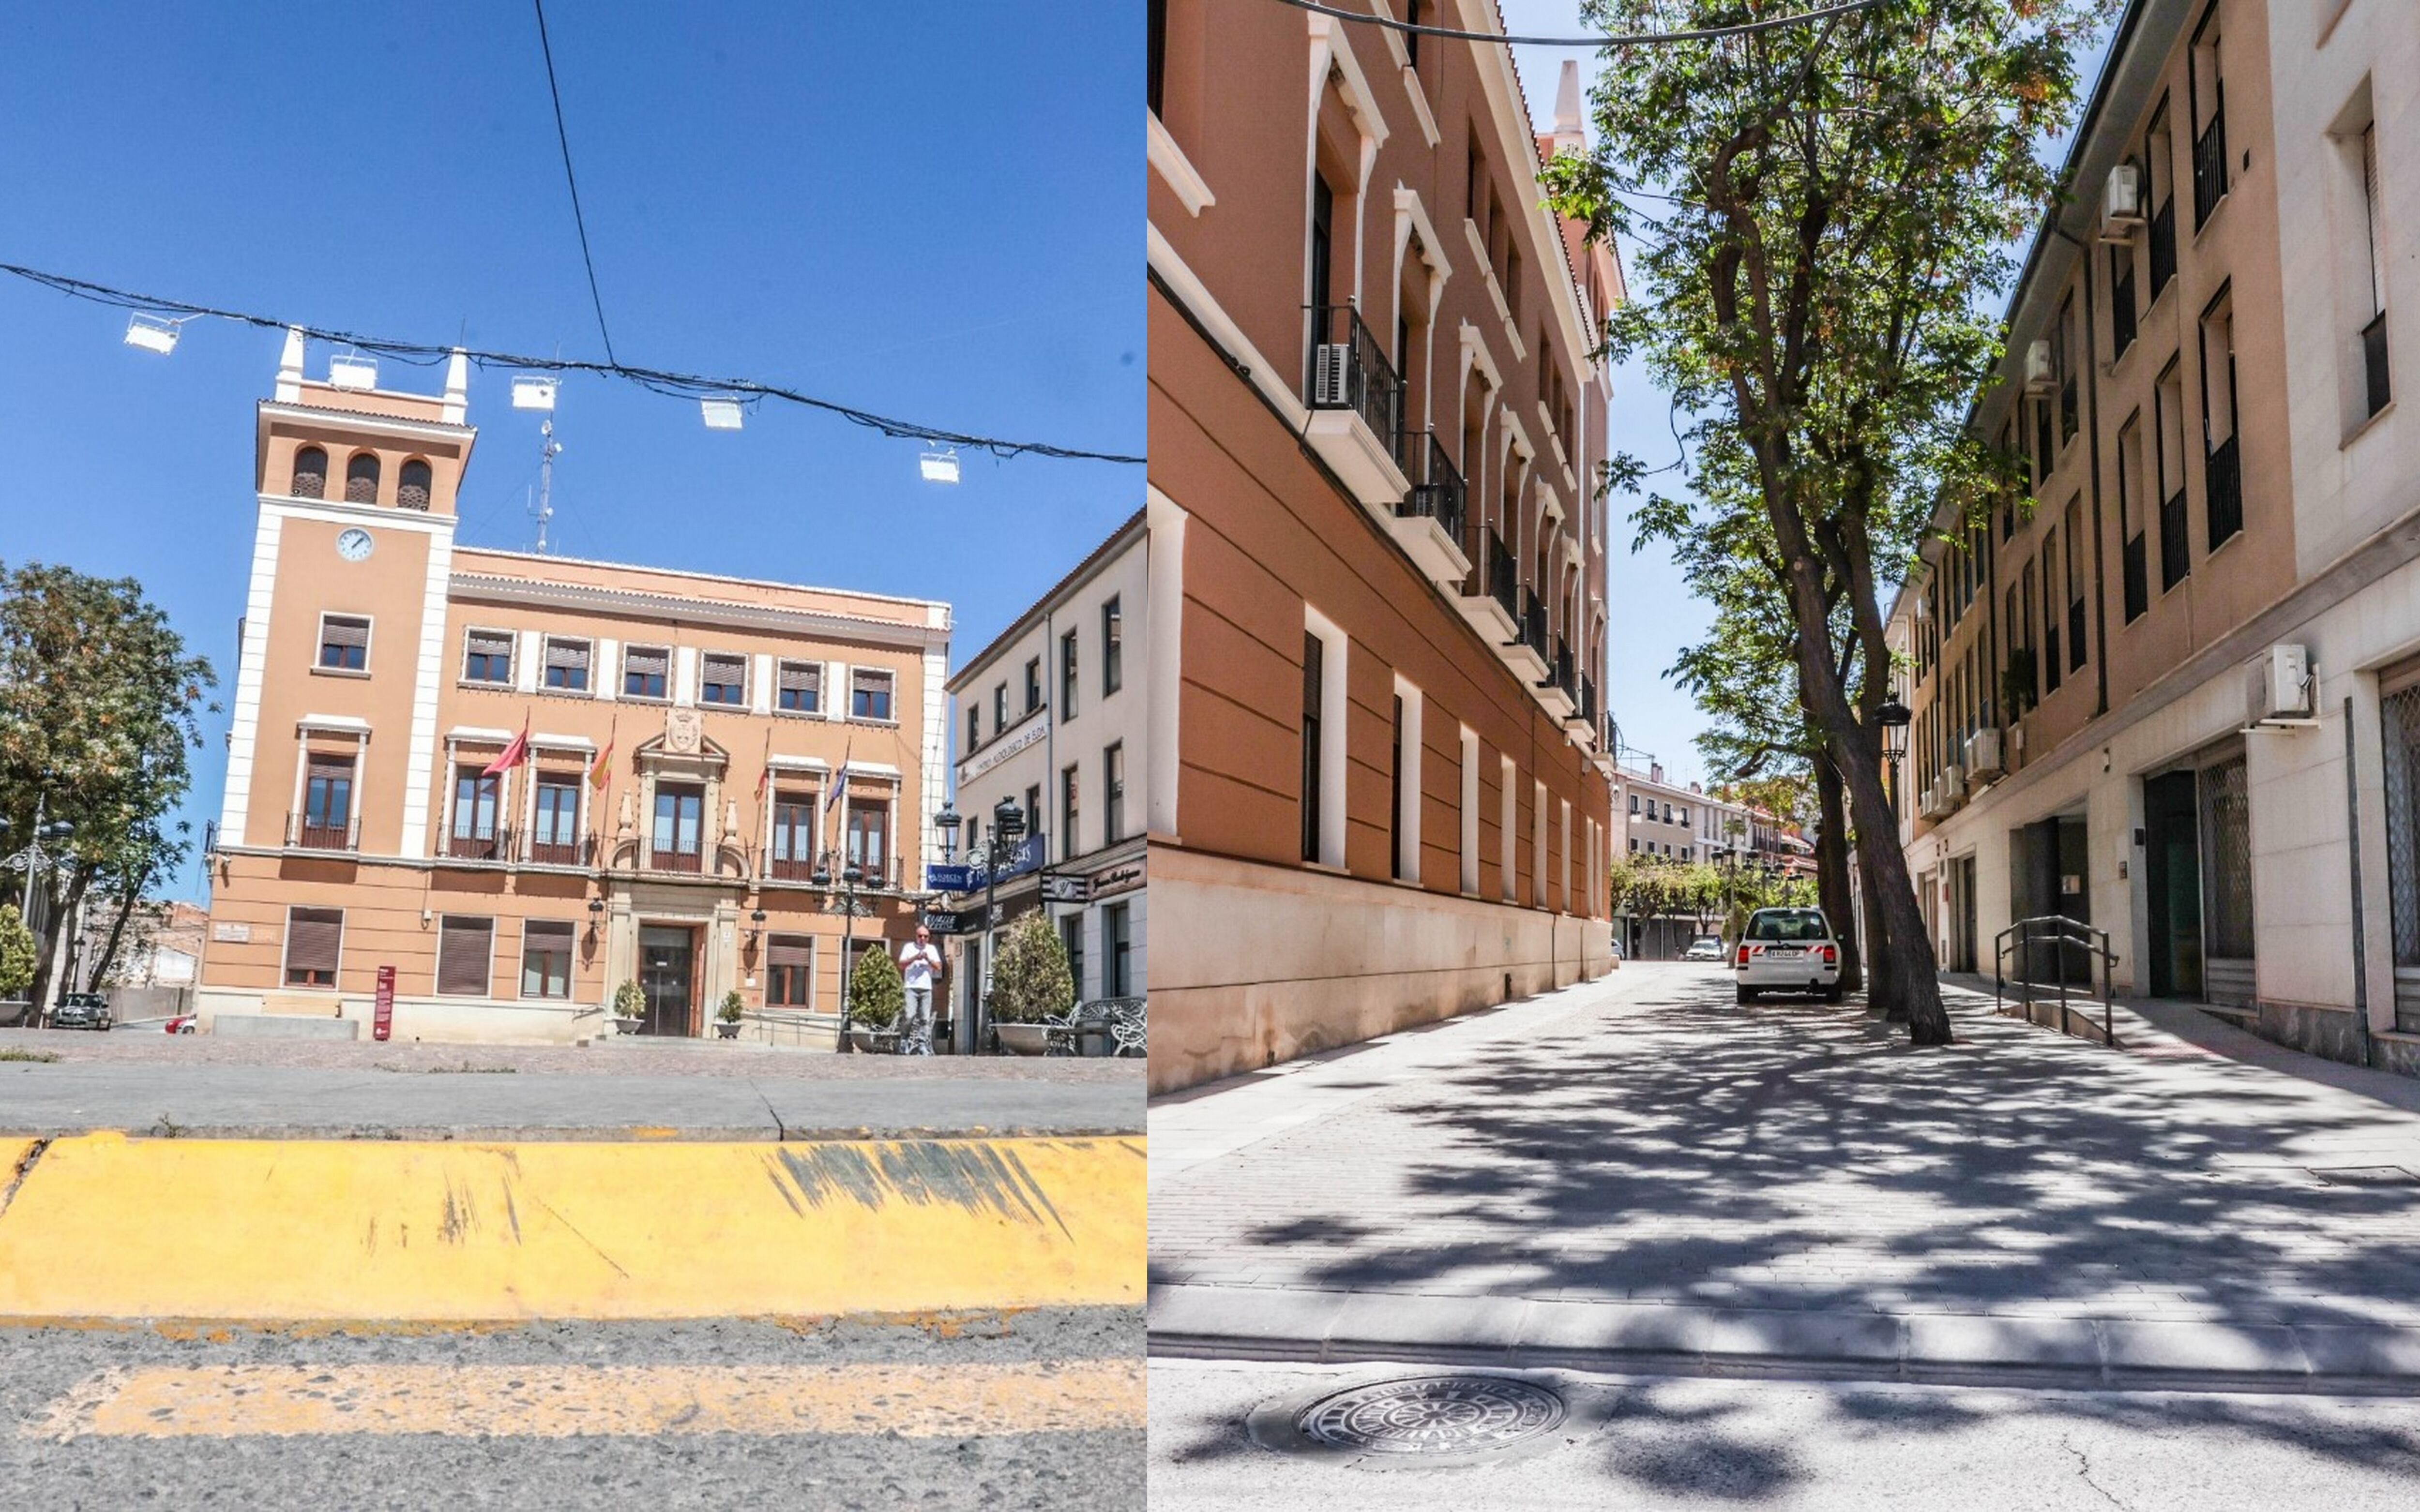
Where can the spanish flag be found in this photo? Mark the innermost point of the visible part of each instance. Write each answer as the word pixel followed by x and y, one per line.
pixel 600 766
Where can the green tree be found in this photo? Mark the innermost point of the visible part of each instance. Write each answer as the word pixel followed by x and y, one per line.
pixel 1828 206
pixel 877 994
pixel 1030 980
pixel 16 953
pixel 99 700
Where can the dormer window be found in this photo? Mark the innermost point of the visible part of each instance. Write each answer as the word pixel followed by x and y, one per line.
pixel 412 486
pixel 362 478
pixel 310 473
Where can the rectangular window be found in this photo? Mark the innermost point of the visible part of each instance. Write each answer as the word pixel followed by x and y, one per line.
pixel 974 725
pixel 2377 379
pixel 478 800
pixel 2076 565
pixel 2209 87
pixel 327 801
pixel 1116 945
pixel 2065 355
pixel 801 689
pixel 869 693
pixel 2052 578
pixel 314 937
pixel 2130 517
pixel 2222 459
pixel 1113 640
pixel 1069 783
pixel 2168 430
pixel 869 837
pixel 487 657
pixel 677 840
pixel 2121 298
pixel 1033 814
pixel 643 671
pixel 1034 684
pixel 546 958
pixel 1067 677
pixel 794 835
pixel 1314 656
pixel 723 679
pixel 344 642
pixel 1000 708
pixel 465 955
pixel 1114 793
pixel 1071 939
pixel 2160 192
pixel 789 971
pixel 567 665
pixel 1322 215
pixel 554 840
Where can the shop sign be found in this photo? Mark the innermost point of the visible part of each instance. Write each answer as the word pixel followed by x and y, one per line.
pixel 1058 888
pixel 1122 878
pixel 1000 749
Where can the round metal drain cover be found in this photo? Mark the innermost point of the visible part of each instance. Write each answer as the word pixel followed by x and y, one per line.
pixel 1430 1415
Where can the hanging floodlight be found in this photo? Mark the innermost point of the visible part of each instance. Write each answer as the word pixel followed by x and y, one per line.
pixel 353 372
pixel 154 332
pixel 939 467
pixel 720 414
pixel 534 391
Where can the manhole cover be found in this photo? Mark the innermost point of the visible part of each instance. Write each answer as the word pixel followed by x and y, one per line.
pixel 1430 1415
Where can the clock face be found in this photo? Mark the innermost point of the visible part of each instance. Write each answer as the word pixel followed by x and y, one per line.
pixel 354 544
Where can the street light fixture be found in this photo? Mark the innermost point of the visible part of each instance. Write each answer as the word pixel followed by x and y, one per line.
pixel 947 822
pixel 1894 717
pixel 1007 830
pixel 850 875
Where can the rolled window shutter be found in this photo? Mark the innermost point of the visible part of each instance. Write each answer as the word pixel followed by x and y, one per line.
pixel 567 654
pixel 786 950
pixel 465 949
pixel 342 630
pixel 313 937
pixel 800 676
pixel 647 660
pixel 552 935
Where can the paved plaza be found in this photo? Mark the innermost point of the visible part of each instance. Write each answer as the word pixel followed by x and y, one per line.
pixel 1642 1165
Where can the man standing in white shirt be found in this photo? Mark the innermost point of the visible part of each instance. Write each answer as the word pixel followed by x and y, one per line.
pixel 920 961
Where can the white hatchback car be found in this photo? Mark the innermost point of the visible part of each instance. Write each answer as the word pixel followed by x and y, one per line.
pixel 1704 947
pixel 1788 950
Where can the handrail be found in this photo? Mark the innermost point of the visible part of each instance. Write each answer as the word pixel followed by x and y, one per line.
pixel 2059 932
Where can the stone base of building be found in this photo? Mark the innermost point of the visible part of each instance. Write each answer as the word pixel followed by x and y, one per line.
pixel 441 1019
pixel 2330 1033
pixel 1274 963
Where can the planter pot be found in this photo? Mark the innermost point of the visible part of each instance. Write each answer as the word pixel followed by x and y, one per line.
pixel 1022 1038
pixel 726 1029
pixel 14 1012
pixel 871 1041
pixel 623 1025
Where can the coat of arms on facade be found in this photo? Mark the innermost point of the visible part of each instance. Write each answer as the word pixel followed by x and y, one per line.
pixel 684 732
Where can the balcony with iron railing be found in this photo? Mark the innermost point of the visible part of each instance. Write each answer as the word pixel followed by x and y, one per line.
pixel 1490 598
pixel 2210 162
pixel 1585 716
pixel 577 851
pixel 2164 245
pixel 2175 552
pixel 1428 523
pixel 673 859
pixel 828 870
pixel 1356 399
pixel 2381 387
pixel 1526 653
pixel 307 832
pixel 488 844
pixel 1558 691
pixel 2223 479
pixel 2138 588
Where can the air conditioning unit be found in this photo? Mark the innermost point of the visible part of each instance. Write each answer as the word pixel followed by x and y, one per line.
pixel 2121 203
pixel 1953 785
pixel 2040 376
pixel 1331 375
pixel 1983 754
pixel 2280 687
pixel 1928 802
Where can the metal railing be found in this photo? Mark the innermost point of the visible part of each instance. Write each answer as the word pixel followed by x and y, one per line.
pixel 490 845
pixel 2138 585
pixel 303 832
pixel 1533 623
pixel 2175 552
pixel 1561 670
pixel 1587 713
pixel 2164 245
pixel 580 851
pixel 675 860
pixel 2224 478
pixel 1438 489
pixel 1349 370
pixel 824 870
pixel 2062 936
pixel 1497 578
pixel 2122 304
pixel 2373 356
pixel 2210 164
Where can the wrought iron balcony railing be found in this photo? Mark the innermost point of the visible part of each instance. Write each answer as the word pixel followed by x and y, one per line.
pixel 2138 588
pixel 2210 163
pixel 1533 623
pixel 577 851
pixel 2164 245
pixel 666 858
pixel 1349 370
pixel 1438 489
pixel 2223 479
pixel 2175 552
pixel 305 832
pixel 477 845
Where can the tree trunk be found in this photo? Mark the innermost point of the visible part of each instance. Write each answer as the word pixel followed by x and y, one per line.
pixel 129 899
pixel 1883 995
pixel 58 917
pixel 1906 956
pixel 1832 873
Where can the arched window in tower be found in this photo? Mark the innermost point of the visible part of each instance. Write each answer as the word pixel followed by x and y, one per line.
pixel 411 484
pixel 310 473
pixel 362 478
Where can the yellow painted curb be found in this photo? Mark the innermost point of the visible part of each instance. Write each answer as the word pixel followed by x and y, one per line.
pixel 105 1226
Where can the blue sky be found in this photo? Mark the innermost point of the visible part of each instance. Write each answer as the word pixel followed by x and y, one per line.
pixel 939 220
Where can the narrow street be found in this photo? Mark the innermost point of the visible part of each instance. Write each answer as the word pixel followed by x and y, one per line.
pixel 1638 1179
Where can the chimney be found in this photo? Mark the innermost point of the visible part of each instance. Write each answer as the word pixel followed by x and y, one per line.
pixel 1655 772
pixel 289 368
pixel 457 387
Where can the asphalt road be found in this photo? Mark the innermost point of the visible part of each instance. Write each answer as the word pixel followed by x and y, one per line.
pixel 1057 1423
pixel 1644 1444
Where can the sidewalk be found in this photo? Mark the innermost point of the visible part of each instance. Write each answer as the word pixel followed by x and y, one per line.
pixel 1639 1174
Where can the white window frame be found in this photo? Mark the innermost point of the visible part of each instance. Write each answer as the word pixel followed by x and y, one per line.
pixel 739 706
pixel 1334 714
pixel 512 657
pixel 546 644
pixel 1407 778
pixel 1469 812
pixel 369 643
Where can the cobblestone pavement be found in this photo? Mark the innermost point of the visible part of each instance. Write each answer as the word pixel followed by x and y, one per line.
pixel 1644 1139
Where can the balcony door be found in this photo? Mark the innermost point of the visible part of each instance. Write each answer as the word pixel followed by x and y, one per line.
pixel 677 843
pixel 794 836
pixel 328 802
pixel 477 800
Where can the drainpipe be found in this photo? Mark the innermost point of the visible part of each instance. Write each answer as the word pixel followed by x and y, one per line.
pixel 2092 431
pixel 2360 948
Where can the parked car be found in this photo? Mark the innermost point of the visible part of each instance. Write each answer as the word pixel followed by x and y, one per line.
pixel 81 1011
pixel 185 1023
pixel 1788 949
pixel 1704 947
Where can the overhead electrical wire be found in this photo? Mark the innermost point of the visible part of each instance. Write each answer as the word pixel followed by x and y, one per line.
pixel 660 381
pixel 577 219
pixel 1702 34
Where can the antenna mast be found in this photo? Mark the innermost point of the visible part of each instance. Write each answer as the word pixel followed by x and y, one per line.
pixel 546 452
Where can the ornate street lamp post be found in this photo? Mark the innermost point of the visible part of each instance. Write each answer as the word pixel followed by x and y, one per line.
pixel 30 861
pixel 1007 830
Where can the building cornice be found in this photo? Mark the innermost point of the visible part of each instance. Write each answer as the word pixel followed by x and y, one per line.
pixel 394 426
pixel 582 598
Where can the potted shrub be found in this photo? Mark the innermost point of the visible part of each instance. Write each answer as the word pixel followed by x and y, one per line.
pixel 1030 983
pixel 630 1007
pixel 16 964
pixel 726 1018
pixel 876 996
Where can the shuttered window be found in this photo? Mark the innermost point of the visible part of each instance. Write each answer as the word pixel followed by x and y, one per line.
pixel 724 680
pixel 344 642
pixel 567 665
pixel 789 963
pixel 803 687
pixel 310 473
pixel 411 484
pixel 314 939
pixel 869 694
pixel 465 946
pixel 643 672
pixel 546 958
pixel 362 478
pixel 487 657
